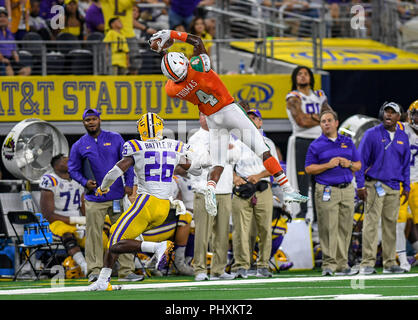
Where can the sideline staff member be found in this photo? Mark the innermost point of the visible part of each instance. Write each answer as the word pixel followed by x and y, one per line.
pixel 385 157
pixel 332 159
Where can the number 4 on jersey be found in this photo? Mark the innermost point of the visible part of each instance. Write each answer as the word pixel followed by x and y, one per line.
pixel 206 98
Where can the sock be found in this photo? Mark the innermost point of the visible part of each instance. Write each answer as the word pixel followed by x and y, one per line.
pixel 415 246
pixel 400 237
pixel 402 258
pixel 147 246
pixel 179 253
pixel 272 165
pixel 284 183
pixel 81 261
pixel 105 274
pixel 211 183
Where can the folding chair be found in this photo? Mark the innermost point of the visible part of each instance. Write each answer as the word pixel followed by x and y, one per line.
pixel 24 218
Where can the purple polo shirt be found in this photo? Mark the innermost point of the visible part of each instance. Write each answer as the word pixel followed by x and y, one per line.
pixel 102 155
pixel 94 17
pixel 6 49
pixel 383 159
pixel 322 150
pixel 184 8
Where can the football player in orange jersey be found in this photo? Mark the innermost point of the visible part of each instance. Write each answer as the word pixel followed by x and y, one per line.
pixel 198 84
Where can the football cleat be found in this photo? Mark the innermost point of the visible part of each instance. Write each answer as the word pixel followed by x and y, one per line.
pixel 162 254
pixel 100 286
pixel 210 201
pixel 294 197
pixel 150 126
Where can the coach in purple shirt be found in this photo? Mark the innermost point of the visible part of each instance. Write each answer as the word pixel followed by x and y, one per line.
pixel 332 160
pixel 385 156
pixel 91 157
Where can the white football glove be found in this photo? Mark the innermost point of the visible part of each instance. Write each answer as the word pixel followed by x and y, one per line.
pixel 164 35
pixel 178 205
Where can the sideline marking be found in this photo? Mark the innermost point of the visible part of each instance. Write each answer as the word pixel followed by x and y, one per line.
pixel 370 296
pixel 208 283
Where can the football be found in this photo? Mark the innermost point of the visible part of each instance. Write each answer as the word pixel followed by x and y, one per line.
pixel 154 44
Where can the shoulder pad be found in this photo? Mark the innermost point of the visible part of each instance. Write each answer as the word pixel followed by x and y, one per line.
pixel 293 94
pixel 130 147
pixel 48 182
pixel 200 63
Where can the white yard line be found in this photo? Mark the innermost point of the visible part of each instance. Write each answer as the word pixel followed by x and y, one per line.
pixel 57 288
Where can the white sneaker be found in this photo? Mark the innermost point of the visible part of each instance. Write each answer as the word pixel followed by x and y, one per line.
pixel 100 286
pixel 163 252
pixel 406 267
pixel 201 277
pixel 210 201
pixel 223 276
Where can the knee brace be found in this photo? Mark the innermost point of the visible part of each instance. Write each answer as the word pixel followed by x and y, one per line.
pixel 69 243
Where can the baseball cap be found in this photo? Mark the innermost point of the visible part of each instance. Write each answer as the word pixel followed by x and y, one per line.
pixel 91 112
pixel 255 111
pixel 394 106
pixel 3 10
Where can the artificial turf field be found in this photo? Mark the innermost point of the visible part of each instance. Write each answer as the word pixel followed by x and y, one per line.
pixel 289 285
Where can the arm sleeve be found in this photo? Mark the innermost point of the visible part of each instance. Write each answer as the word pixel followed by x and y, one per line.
pixel 74 166
pixel 311 157
pixel 129 174
pixel 406 167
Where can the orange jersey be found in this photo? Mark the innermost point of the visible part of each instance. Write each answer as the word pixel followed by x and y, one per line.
pixel 204 89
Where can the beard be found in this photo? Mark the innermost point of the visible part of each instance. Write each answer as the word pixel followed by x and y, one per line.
pixel 303 85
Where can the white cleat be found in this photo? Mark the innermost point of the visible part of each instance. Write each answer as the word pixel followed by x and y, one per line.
pixel 210 201
pixel 100 286
pixel 406 267
pixel 294 197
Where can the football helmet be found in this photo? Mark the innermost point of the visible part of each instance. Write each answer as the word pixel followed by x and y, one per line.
pixel 174 66
pixel 150 126
pixel 412 112
pixel 72 269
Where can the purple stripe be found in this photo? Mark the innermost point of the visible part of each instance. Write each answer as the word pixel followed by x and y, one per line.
pixel 132 145
pixel 128 212
pixel 133 217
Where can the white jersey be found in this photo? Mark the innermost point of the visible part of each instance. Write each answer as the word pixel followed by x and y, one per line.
pixel 155 161
pixel 185 187
pixel 413 143
pixel 67 194
pixel 311 104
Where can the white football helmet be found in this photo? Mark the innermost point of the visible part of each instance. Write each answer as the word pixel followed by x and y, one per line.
pixel 174 65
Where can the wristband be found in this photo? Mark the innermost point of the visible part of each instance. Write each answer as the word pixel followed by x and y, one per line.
pixel 77 220
pixel 182 36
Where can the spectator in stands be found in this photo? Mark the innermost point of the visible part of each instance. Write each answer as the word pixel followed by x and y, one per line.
pixel 198 27
pixel 7 4
pixel 94 17
pixel 181 12
pixel 20 18
pixel 207 225
pixel 156 17
pixel 332 159
pixel 37 23
pixel 124 11
pixel 83 5
pixel 142 31
pixel 64 213
pixel 91 157
pixel 119 47
pixel 385 157
pixel 252 201
pixel 74 22
pixel 9 57
pixel 46 11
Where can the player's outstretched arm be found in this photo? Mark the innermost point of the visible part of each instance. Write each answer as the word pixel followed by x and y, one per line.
pixel 113 174
pixel 166 35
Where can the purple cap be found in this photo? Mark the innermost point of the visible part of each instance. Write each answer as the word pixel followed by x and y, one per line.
pixel 255 111
pixel 91 112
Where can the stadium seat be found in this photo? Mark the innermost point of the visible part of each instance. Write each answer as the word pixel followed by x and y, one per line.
pixel 95 36
pixel 151 62
pixel 80 62
pixel 34 48
pixel 26 58
pixel 67 47
pixel 55 63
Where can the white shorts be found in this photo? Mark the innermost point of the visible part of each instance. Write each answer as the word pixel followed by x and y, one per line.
pixel 232 119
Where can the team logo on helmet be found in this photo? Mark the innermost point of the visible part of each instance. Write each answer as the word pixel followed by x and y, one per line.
pixel 150 126
pixel 174 66
pixel 412 112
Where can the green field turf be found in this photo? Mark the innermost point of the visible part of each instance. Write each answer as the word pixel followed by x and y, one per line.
pixel 306 285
